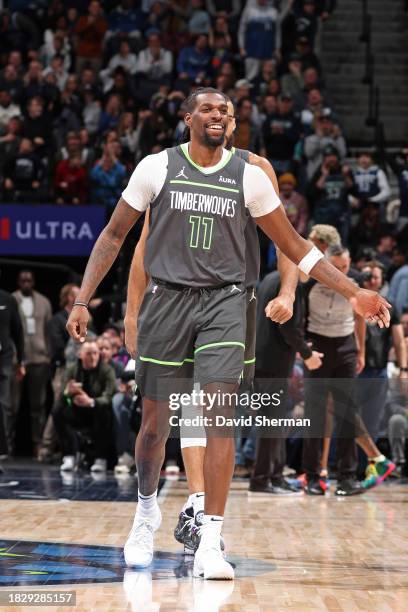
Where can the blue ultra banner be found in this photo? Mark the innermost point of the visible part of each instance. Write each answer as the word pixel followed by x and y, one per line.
pixel 46 229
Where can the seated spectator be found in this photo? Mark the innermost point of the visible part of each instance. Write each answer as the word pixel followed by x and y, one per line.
pixel 91 111
pixel 281 132
pixel 74 147
pixel 110 115
pixel 107 351
pixel 327 133
pixel 107 178
pixel 90 31
pixel 56 43
pixel 7 109
pixel 199 21
pixel 194 62
pixel 85 404
pixel 154 66
pixel 306 21
pixel 367 231
pixel 37 127
pixel 89 80
pixel 10 141
pixel 265 77
pixel 71 181
pixel 384 248
pixel 247 134
pixel 221 53
pixel 115 334
pixel 370 184
pixel 11 82
pixel 33 81
pixel 59 71
pixel 312 111
pixel 224 10
pixel 123 405
pixel 125 59
pixel 328 193
pixel 258 35
pixel 129 136
pixel 308 58
pixel 295 204
pixel 23 175
pixel 126 19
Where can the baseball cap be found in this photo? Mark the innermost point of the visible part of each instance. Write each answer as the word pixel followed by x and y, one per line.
pixel 330 150
pixel 243 83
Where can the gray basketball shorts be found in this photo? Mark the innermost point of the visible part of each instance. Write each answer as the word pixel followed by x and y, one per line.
pixel 188 335
pixel 250 340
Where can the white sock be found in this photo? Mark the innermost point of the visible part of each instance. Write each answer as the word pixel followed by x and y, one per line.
pixel 211 531
pixel 195 501
pixel 147 506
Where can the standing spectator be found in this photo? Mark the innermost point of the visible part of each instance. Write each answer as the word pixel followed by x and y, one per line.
pixel 281 132
pixel 107 178
pixel 275 357
pixel 7 108
pixel 35 311
pixel 295 204
pixel 154 65
pixel 384 248
pixel 125 59
pixel 126 19
pixel 326 133
pixel 71 181
pixel 10 141
pixel 370 184
pixel 247 134
pixel 11 82
pixel 199 21
pixel 90 31
pixel 292 80
pixel 194 62
pixel 338 334
pixel 258 35
pixel 11 337
pixel 85 404
pixel 225 9
pixel 372 392
pixel 328 193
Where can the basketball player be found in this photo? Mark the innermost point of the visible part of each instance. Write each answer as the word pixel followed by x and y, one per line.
pixel 279 310
pixel 194 309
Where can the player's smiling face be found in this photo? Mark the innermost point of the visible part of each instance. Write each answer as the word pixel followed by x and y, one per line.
pixel 209 119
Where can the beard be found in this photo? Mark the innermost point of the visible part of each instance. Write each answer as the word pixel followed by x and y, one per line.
pixel 214 141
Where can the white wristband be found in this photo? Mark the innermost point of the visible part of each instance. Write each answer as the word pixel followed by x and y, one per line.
pixel 309 261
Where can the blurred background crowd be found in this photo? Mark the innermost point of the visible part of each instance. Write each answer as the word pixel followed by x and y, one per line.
pixel 89 88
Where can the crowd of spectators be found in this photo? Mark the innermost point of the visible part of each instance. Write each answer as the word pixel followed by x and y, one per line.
pixel 87 89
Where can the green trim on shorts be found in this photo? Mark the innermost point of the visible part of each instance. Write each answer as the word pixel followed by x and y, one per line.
pixel 212 344
pixel 176 364
pixel 195 184
pixel 249 361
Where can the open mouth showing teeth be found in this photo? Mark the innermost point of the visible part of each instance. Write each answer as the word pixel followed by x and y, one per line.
pixel 215 126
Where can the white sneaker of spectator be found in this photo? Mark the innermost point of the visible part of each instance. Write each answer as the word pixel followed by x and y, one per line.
pixel 125 464
pixel 100 465
pixel 68 463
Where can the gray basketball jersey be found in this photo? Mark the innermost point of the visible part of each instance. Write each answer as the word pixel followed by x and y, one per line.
pixel 197 224
pixel 252 251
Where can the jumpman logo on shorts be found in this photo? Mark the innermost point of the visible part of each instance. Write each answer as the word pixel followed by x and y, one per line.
pixel 182 174
pixel 235 288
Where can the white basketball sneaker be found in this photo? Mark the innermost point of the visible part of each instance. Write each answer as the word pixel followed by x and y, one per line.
pixel 138 549
pixel 209 563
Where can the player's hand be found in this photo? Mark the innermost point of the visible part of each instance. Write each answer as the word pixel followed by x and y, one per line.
pixel 360 363
pixel 77 325
pixel 131 336
pixel 280 309
pixel 315 361
pixel 372 306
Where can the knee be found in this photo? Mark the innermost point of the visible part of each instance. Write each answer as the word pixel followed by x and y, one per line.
pixel 152 436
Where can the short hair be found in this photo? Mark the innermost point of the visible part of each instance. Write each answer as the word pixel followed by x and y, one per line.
pixel 64 293
pixel 374 263
pixel 113 327
pixel 190 103
pixel 326 233
pixel 337 250
pixel 185 137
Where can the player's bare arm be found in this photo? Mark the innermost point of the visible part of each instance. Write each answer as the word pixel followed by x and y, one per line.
pixel 103 255
pixel 368 304
pixel 138 281
pixel 280 309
